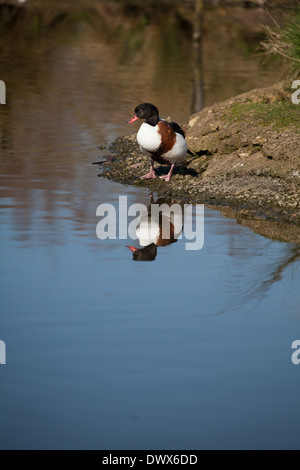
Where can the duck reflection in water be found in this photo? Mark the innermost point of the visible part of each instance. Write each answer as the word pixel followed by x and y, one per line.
pixel 156 229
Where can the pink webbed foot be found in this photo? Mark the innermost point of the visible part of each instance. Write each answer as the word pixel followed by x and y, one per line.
pixel 168 176
pixel 165 177
pixel 149 175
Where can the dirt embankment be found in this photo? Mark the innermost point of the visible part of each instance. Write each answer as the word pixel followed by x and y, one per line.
pixel 246 155
pixel 248 150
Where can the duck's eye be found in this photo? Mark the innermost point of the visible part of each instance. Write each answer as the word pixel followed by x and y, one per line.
pixel 140 111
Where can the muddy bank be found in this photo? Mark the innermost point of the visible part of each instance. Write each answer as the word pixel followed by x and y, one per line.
pixel 246 156
pixel 275 230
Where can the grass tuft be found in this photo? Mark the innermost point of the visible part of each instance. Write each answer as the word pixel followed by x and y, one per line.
pixel 280 115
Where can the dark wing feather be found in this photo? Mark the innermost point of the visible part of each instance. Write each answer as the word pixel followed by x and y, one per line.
pixel 176 127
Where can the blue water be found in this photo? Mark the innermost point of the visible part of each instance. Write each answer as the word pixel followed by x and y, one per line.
pixel 192 350
pixel 189 351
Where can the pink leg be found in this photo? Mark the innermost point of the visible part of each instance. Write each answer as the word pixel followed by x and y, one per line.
pixel 151 173
pixel 168 176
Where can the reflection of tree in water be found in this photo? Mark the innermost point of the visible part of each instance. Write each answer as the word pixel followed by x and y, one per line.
pixel 293 255
pixel 260 288
pixel 198 98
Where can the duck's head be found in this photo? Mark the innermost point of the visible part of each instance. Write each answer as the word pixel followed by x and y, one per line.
pixel 146 111
pixel 148 253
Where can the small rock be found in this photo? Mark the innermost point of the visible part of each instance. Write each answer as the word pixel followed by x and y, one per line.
pixel 193 121
pixel 135 165
pixel 244 154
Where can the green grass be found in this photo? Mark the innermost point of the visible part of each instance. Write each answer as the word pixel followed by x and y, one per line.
pixel 291 34
pixel 284 41
pixel 280 115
